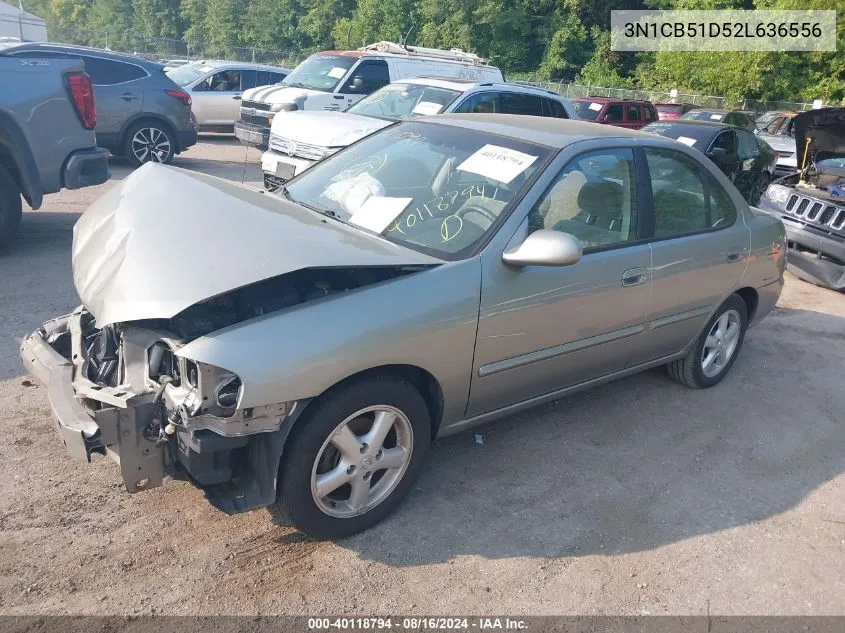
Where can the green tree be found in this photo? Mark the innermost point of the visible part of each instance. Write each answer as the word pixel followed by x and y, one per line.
pixel 567 52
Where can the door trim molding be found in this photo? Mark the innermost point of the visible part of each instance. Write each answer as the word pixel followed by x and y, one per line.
pixel 558 350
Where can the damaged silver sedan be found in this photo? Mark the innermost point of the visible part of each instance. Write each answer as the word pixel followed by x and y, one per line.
pixel 304 349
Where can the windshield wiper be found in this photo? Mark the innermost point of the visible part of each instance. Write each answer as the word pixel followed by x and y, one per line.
pixel 295 84
pixel 328 212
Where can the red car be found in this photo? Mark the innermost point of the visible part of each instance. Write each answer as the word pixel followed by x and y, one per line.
pixel 627 113
pixel 672 111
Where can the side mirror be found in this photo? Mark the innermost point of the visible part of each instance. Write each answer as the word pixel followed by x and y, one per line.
pixel 545 248
pixel 718 154
pixel 357 84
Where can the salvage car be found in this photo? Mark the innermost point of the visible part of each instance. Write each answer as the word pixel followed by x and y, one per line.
pixel 435 275
pixel 745 159
pixel 780 136
pixel 731 117
pixel 811 202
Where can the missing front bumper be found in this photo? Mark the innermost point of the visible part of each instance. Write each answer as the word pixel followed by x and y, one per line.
pixel 119 428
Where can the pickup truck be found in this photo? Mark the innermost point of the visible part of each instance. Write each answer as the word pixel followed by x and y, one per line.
pixel 47 142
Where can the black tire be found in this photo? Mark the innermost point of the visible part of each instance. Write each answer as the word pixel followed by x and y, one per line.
pixel 319 422
pixel 689 370
pixel 10 207
pixel 160 137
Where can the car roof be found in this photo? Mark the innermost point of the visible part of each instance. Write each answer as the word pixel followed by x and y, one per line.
pixel 84 50
pixel 220 63
pixel 548 131
pixel 699 130
pixel 465 85
pixel 609 100
pixel 713 110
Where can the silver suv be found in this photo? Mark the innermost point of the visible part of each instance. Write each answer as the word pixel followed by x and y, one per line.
pixel 216 88
pixel 141 114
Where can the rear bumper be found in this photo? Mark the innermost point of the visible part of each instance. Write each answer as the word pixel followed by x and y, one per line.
pixel 187 138
pixel 85 168
pixel 253 134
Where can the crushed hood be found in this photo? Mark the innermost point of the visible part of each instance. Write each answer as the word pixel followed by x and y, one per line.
pixel 826 130
pixel 165 239
pixel 326 129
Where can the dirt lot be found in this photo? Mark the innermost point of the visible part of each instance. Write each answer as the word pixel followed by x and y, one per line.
pixel 639 497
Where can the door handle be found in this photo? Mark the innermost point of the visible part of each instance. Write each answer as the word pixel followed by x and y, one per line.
pixel 237 97
pixel 128 96
pixel 735 255
pixel 634 277
pixel 339 97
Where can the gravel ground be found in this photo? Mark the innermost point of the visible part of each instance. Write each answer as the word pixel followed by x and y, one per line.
pixel 641 497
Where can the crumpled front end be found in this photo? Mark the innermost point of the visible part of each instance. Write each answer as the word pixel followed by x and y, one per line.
pixel 123 391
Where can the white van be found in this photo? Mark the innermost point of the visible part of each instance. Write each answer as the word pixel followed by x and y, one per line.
pixel 334 80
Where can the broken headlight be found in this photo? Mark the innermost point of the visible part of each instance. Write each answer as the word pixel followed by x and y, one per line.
pixel 778 194
pixel 228 391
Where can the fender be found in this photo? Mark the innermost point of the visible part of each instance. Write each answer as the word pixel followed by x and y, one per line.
pixel 15 144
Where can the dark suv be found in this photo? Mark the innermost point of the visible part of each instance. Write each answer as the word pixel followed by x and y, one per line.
pixel 620 112
pixel 141 114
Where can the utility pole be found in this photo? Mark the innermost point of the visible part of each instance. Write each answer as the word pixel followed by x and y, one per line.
pixel 20 20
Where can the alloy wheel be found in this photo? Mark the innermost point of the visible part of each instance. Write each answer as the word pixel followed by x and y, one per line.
pixel 362 461
pixel 151 144
pixel 720 344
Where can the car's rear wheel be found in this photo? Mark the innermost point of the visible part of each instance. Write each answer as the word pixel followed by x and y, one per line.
pixel 149 141
pixel 714 353
pixel 10 206
pixel 354 456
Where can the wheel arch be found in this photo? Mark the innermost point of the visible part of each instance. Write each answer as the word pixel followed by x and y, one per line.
pixel 16 156
pixel 422 380
pixel 751 298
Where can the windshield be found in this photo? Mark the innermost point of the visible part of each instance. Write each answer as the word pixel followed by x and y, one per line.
pixel 435 188
pixel 320 72
pixel 396 101
pixel 703 115
pixel 188 73
pixel 587 110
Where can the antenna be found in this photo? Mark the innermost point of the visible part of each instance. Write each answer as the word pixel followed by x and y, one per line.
pixel 404 42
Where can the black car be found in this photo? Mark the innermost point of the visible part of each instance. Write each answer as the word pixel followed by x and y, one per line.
pixel 745 159
pixel 730 117
pixel 141 114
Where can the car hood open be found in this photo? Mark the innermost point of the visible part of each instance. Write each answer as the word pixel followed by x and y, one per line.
pixel 826 130
pixel 326 129
pixel 165 239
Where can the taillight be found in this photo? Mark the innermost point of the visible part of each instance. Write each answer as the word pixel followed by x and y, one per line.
pixel 183 96
pixel 82 96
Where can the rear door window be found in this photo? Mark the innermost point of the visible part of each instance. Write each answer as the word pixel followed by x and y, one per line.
pixel 633 112
pixel 555 109
pixel 266 78
pixel 748 147
pixel 107 72
pixel 519 103
pixel 614 113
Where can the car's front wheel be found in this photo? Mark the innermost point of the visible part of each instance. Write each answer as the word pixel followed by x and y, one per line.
pixel 715 351
pixel 354 456
pixel 149 141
